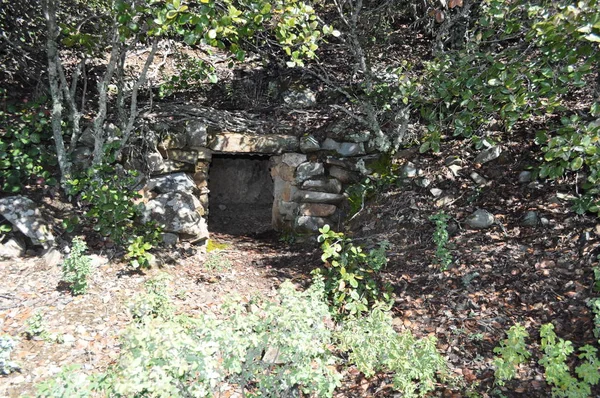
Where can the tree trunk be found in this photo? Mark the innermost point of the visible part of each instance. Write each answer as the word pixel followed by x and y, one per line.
pixel 49 10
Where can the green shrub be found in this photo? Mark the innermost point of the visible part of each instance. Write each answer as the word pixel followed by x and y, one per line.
pixel 76 267
pixel 556 352
pixel 217 261
pixel 24 152
pixel 351 276
pixel 374 346
pixel 34 326
pixel 281 348
pixel 155 302
pixel 557 372
pixel 112 211
pixel 69 383
pixel 440 238
pixel 521 61
pixel 512 353
pixel 7 345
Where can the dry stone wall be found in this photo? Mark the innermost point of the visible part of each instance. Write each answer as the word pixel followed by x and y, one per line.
pixel 309 175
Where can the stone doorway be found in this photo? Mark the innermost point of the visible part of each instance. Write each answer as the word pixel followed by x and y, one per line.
pixel 240 194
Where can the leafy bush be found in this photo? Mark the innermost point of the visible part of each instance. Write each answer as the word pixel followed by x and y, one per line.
pixel 374 346
pixel 512 353
pixel 216 261
pixel 557 373
pixel 7 345
pixel 279 349
pixel 112 211
pixel 69 383
pixel 521 61
pixel 24 154
pixel 155 302
pixel 77 267
pixel 440 237
pixel 383 177
pixel 556 351
pixel 34 326
pixel 351 278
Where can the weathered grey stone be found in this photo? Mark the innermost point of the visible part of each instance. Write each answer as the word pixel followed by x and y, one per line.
pixel 204 154
pixel 12 248
pixel 480 219
pixel 52 257
pixel 363 136
pixel 293 159
pixel 330 185
pixel 183 156
pixel 453 160
pixel 409 170
pixel 172 166
pixel 525 177
pixel 283 190
pixel 444 201
pixel 288 210
pixel 179 182
pixel 155 162
pixel 436 192
pixel 253 143
pixel 531 219
pixel 454 168
pixel 23 213
pixel 311 224
pixel 345 176
pixel 287 173
pixel 308 170
pixel 178 213
pixel 317 197
pixel 300 99
pixel 173 141
pixel 309 144
pixel 478 179
pixel 344 148
pixel 423 182
pixel 169 239
pixel 488 155
pixel 196 135
pixel 317 209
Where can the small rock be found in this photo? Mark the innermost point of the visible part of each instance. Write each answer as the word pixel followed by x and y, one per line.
pixel 293 159
pixel 24 214
pixel 453 160
pixel 409 170
pixel 12 248
pixel 480 219
pixel 308 170
pixel 478 179
pixel 525 177
pixel 423 182
pixel 170 239
pixel 488 155
pixel 444 201
pixel 436 192
pixel 344 148
pixel 309 144
pixel 222 207
pixel 455 169
pixel 309 223
pixel 52 257
pixel 531 219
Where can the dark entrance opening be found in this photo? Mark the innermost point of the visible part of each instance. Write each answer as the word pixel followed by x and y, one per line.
pixel 240 200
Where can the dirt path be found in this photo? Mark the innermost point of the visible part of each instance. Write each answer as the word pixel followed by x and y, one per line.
pixel 89 325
